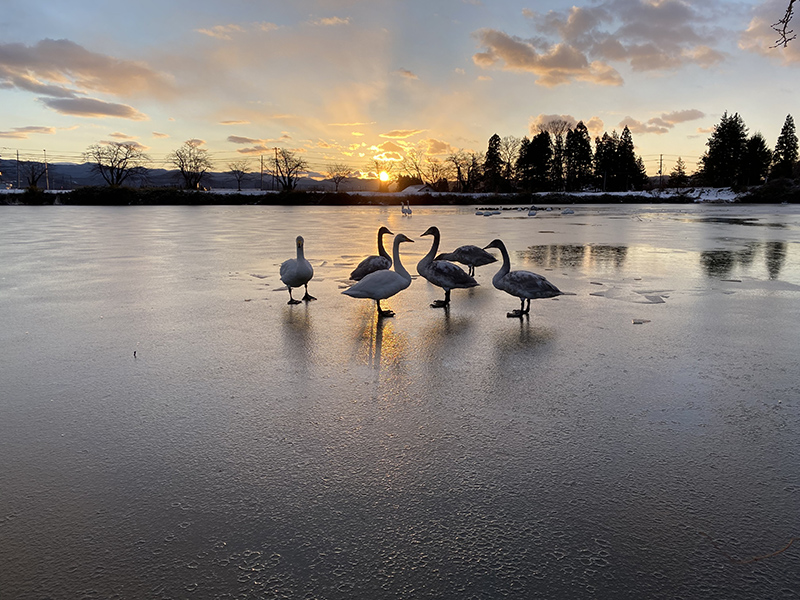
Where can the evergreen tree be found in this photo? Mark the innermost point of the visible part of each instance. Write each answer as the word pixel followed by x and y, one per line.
pixel 630 171
pixel 605 161
pixel 578 151
pixel 721 165
pixel 786 151
pixel 535 162
pixel 756 161
pixel 493 166
pixel 678 177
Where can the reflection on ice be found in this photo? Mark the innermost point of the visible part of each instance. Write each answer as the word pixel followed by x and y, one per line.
pixel 721 263
pixel 554 256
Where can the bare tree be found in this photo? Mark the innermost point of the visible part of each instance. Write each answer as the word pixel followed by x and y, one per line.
pixel 287 167
pixel 116 162
pixel 338 172
pixel 192 161
pixel 558 129
pixel 417 164
pixel 509 150
pixel 240 169
pixel 785 35
pixel 465 168
pixel 32 172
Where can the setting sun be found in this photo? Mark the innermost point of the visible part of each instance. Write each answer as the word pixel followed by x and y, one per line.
pixel 384 176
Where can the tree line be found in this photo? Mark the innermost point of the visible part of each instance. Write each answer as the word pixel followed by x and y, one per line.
pixel 559 158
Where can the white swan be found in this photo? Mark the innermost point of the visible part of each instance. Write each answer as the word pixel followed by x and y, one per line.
pixel 385 283
pixel 472 256
pixel 441 273
pixel 374 263
pixel 296 272
pixel 525 285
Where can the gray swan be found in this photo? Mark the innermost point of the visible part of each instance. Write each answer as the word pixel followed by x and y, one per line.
pixel 374 263
pixel 525 285
pixel 472 256
pixel 441 273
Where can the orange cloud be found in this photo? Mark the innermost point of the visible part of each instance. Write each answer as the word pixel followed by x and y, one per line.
pixel 23 133
pixel 399 134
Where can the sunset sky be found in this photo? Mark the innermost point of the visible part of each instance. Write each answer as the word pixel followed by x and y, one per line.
pixel 346 80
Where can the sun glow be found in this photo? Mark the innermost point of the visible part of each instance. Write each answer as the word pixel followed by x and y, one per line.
pixel 384 176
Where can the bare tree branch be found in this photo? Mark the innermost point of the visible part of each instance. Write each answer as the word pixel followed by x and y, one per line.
pixel 785 34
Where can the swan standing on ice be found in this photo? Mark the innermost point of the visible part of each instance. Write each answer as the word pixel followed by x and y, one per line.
pixel 441 273
pixel 472 256
pixel 296 272
pixel 385 283
pixel 374 263
pixel 525 285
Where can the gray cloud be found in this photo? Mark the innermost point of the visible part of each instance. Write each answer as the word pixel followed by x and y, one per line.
pixel 554 65
pixel 578 44
pixel 91 107
pixel 663 123
pixel 64 69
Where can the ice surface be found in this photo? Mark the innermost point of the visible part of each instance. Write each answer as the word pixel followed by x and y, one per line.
pixel 254 449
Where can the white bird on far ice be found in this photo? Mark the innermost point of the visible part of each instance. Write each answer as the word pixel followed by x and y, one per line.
pixel 385 283
pixel 472 256
pixel 525 285
pixel 441 273
pixel 374 263
pixel 296 272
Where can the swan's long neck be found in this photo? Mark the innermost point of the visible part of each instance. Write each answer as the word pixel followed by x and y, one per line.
pixel 505 267
pixel 434 249
pixel 381 250
pixel 398 266
pixel 300 256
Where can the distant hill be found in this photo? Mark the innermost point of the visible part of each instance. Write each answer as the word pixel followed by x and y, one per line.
pixel 67 176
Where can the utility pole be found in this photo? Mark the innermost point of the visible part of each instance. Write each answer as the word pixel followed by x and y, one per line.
pixel 660 171
pixel 275 174
pixel 46 172
pixel 262 172
pixel 17 169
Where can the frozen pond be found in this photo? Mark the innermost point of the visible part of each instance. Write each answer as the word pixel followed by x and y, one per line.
pixel 635 439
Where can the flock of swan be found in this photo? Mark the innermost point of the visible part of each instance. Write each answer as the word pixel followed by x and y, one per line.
pixel 375 279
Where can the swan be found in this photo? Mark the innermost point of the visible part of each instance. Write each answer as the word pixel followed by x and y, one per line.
pixel 441 273
pixel 408 208
pixel 374 263
pixel 522 284
pixel 296 272
pixel 385 283
pixel 472 256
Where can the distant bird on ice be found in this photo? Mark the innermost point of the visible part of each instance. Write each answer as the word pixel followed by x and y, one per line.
pixel 374 263
pixel 472 256
pixel 385 283
pixel 441 273
pixel 525 285
pixel 406 208
pixel 296 272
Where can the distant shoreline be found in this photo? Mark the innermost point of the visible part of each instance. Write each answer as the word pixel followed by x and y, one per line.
pixel 779 192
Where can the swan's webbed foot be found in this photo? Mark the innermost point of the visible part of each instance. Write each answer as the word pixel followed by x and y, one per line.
pixel 515 314
pixel 308 297
pixel 440 304
pixel 385 313
pixel 293 301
